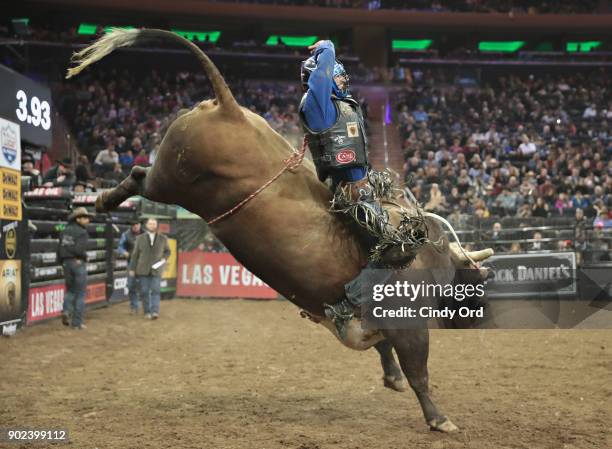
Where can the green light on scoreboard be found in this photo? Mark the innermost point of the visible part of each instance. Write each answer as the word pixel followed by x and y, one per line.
pixel 202 36
pixel 410 44
pixel 582 47
pixel 87 29
pixel 500 46
pixel 291 41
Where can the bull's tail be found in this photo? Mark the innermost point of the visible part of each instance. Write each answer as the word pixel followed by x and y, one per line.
pixel 118 38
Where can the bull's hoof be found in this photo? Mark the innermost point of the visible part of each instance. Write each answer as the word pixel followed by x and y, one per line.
pixel 394 383
pixel 442 424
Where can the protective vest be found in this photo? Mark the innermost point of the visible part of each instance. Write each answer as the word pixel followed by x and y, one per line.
pixel 342 145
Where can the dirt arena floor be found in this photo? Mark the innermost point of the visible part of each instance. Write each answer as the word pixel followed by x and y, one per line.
pixel 253 375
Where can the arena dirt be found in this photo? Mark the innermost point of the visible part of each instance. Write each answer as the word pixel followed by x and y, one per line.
pixel 250 374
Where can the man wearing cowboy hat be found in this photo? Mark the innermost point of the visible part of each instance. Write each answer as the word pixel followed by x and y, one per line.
pixel 61 175
pixel 73 256
pixel 27 169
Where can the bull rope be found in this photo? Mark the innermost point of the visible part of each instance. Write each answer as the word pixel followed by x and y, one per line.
pixel 291 163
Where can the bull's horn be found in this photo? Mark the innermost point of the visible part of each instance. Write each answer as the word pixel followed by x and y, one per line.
pixel 479 256
pixel 117 38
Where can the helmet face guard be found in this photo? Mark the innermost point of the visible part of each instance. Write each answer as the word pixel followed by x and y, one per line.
pixel 339 70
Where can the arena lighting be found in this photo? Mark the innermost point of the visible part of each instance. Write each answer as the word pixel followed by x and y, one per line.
pixel 545 46
pixel 410 44
pixel 292 41
pixel 582 47
pixel 23 20
pixel 87 29
pixel 500 46
pixel 212 36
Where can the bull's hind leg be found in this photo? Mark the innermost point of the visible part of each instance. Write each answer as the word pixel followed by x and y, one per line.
pixel 412 347
pixel 130 186
pixel 392 374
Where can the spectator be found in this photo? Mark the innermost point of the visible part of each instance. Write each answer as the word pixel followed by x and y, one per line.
pixel 146 262
pixel 142 159
pixel 27 169
pixel 437 202
pixel 59 175
pixel 420 115
pixel 603 221
pixel 540 208
pixel 117 174
pixel 105 161
pixel 83 170
pixel 516 248
pixel 537 243
pixel 126 159
pixel 526 148
pixel 562 203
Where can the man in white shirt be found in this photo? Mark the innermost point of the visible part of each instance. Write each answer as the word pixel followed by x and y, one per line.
pixel 526 148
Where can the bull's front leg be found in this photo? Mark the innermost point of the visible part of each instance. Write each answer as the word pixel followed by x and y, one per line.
pixel 412 347
pixel 130 186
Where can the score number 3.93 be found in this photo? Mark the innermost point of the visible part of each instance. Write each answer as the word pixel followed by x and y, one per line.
pixel 39 113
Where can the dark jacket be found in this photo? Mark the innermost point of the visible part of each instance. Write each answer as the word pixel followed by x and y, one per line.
pixel 52 174
pixel 73 243
pixel 144 255
pixel 126 242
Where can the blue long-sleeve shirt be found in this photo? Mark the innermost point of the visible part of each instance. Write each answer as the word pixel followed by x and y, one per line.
pixel 319 110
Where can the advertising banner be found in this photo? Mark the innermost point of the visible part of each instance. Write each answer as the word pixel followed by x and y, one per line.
pixel 10 145
pixel 96 292
pixel 10 194
pixel 45 302
pixel 120 287
pixel 170 270
pixel 217 275
pixel 11 306
pixel 534 275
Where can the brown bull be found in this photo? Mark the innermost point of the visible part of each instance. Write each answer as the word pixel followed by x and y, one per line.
pixel 218 154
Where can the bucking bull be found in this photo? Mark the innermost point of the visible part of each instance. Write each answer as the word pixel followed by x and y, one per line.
pixel 226 164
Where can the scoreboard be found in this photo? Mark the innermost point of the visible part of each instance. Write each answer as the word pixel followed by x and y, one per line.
pixel 28 104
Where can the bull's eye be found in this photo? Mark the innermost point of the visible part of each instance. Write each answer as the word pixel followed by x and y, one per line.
pixel 215 102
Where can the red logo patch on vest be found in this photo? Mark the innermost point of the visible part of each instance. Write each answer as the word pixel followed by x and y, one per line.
pixel 345 156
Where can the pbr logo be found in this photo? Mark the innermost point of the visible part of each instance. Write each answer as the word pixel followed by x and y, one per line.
pixel 9 143
pixel 345 156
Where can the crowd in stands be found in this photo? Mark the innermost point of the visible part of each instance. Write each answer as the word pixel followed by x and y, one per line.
pixel 521 147
pixel 480 6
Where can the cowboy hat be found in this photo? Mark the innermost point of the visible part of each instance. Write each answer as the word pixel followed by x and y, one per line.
pixel 79 212
pixel 66 162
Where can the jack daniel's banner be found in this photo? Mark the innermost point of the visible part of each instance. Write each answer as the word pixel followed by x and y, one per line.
pixel 535 275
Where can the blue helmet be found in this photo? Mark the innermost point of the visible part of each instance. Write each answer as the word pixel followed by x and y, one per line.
pixel 310 64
